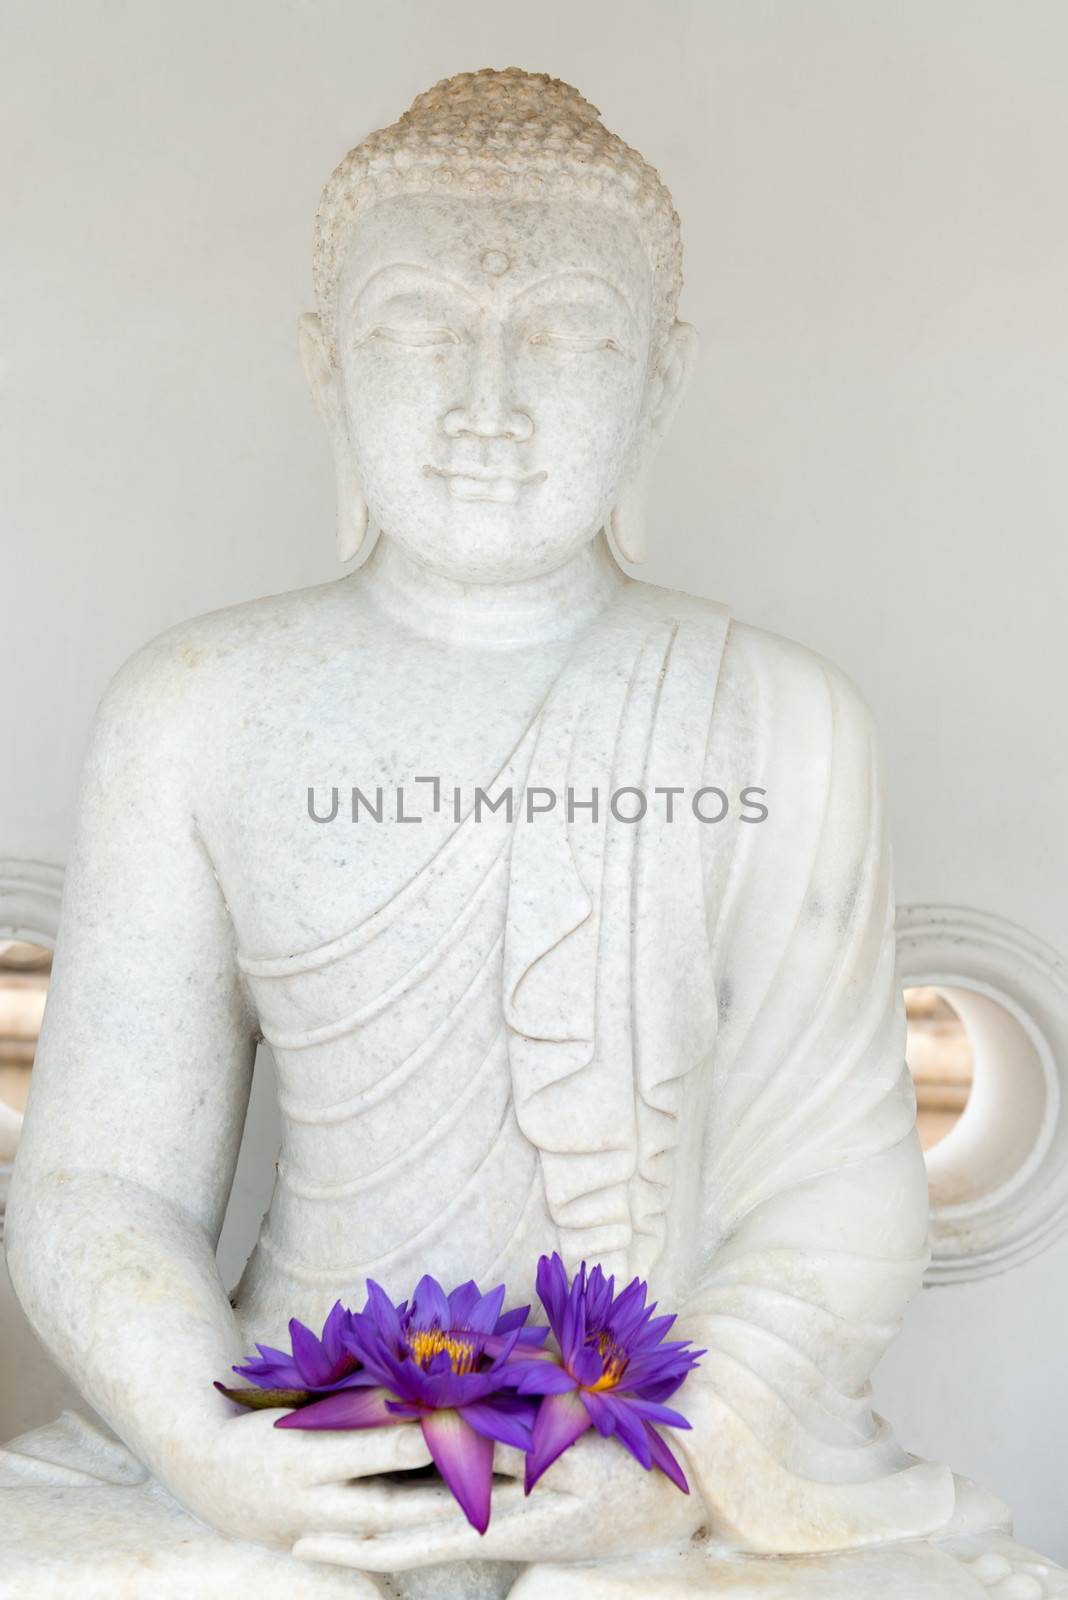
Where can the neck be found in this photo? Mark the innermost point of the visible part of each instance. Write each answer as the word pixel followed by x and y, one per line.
pixel 553 605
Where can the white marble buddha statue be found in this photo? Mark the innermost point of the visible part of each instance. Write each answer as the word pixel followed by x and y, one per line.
pixel 665 1035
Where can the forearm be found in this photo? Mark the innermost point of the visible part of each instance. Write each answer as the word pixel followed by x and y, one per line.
pixel 794 1311
pixel 122 1288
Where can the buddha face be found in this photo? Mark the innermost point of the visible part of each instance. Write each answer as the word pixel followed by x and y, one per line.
pixel 493 376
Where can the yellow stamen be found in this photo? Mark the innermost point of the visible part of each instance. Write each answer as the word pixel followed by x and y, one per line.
pixel 426 1343
pixel 615 1362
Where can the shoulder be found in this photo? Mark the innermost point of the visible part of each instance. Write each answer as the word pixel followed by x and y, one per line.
pixel 168 721
pixel 780 671
pixel 756 663
pixel 210 659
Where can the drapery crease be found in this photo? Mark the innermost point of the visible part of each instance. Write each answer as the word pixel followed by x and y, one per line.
pixel 598 1059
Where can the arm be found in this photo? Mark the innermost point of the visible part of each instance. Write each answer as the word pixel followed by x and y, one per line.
pixel 132 1132
pixel 139 1089
pixel 814 1190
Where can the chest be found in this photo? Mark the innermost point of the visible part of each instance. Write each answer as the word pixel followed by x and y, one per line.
pixel 347 787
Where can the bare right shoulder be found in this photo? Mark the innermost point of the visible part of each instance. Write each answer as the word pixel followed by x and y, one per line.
pixel 189 683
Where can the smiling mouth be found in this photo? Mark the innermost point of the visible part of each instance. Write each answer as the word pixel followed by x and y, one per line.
pixel 475 483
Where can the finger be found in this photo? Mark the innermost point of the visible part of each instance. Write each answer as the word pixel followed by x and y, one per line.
pixel 519 1530
pixel 365 1454
pixel 334 1549
pixel 370 1509
pixel 509 1463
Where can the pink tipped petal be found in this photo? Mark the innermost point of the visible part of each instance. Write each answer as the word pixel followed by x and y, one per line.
pixel 465 1460
pixel 562 1418
pixel 663 1458
pixel 347 1408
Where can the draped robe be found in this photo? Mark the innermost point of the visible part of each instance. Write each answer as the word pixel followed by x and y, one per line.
pixel 673 1047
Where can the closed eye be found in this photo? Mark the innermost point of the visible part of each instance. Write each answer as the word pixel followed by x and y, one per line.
pixel 576 341
pixel 394 333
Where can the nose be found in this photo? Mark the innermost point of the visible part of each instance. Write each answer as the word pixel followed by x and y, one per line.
pixel 487 410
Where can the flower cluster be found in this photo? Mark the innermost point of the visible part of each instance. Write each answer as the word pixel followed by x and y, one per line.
pixel 472 1374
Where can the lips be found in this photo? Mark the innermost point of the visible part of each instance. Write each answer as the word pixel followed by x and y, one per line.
pixel 476 483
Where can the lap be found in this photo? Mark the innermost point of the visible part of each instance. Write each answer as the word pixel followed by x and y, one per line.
pixel 79 1520
pixel 986 1567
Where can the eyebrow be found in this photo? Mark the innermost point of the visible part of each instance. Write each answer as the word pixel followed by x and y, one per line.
pixel 411 269
pixel 566 273
pixel 429 276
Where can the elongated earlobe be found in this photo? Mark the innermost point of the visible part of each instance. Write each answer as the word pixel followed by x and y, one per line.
pixel 352 516
pixel 323 380
pixel 629 522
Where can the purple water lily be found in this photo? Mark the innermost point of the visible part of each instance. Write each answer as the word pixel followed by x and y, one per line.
pixel 613 1371
pixel 318 1365
pixel 444 1363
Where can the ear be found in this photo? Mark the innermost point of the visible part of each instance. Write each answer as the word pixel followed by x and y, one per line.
pixel 666 387
pixel 323 377
pixel 324 380
pixel 671 378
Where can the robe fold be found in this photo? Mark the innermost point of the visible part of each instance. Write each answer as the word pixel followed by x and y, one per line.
pixel 707 1049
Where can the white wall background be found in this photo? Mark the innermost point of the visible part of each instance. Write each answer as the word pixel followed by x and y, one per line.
pixel 872 458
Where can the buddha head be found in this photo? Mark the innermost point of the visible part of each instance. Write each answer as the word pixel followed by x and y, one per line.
pixel 495 354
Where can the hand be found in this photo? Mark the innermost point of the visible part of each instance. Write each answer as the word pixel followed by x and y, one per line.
pixel 254 1481
pixel 596 1497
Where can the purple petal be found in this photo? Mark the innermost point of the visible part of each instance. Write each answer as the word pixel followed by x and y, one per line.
pixel 335 1324
pixel 629 1429
pixel 378 1354
pixel 508 1321
pixel 601 1414
pixel 649 1411
pixel 653 1332
pixel 663 1458
pixel 465 1460
pixel 429 1305
pixel 271 1375
pixel 539 1377
pixel 462 1302
pixel 587 1367
pixel 483 1316
pixel 533 1337
pixel 572 1331
pixel 495 1421
pixel 562 1418
pixel 348 1408
pixel 307 1352
pixel 381 1313
pixel 499 1347
pixel 275 1369
pixel 271 1355
pixel 598 1298
pixel 552 1289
